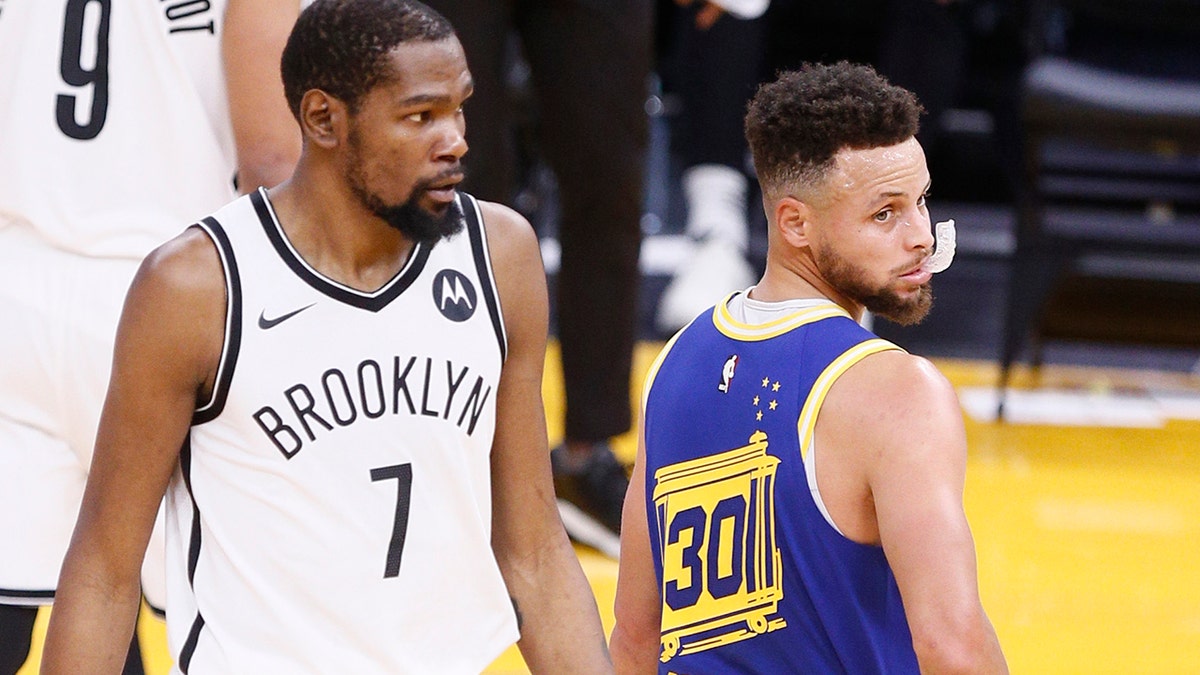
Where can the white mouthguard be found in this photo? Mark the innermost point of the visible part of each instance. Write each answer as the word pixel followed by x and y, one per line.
pixel 943 252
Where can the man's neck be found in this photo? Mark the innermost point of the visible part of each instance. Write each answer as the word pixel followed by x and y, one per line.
pixel 790 282
pixel 336 235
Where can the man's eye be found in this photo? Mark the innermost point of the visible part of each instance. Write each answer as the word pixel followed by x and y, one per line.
pixel 883 215
pixel 417 116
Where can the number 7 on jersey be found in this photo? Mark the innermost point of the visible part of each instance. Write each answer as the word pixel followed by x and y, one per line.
pixel 403 475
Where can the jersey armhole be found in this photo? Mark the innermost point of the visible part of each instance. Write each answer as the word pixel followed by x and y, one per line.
pixel 655 365
pixel 231 342
pixel 483 267
pixel 806 426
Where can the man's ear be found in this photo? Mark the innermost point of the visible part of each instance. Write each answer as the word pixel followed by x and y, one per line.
pixel 792 220
pixel 322 118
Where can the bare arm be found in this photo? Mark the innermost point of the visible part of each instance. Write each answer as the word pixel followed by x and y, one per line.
pixel 560 624
pixel 167 345
pixel 635 638
pixel 264 130
pixel 905 413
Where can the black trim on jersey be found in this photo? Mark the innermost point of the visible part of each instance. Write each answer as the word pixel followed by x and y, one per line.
pixel 233 340
pixel 185 467
pixel 372 302
pixel 160 612
pixel 483 267
pixel 26 595
pixel 189 647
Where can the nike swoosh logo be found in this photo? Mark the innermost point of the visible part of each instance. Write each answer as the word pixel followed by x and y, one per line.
pixel 265 323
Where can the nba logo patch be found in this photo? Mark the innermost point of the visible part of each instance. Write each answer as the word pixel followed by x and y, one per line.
pixel 454 295
pixel 727 373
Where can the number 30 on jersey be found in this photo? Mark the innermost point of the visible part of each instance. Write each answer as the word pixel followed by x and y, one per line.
pixel 716 530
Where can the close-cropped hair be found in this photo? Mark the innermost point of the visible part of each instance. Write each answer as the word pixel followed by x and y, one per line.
pixel 796 124
pixel 341 46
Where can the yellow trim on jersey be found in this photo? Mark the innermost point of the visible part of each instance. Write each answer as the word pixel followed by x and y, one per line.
pixel 653 371
pixel 732 328
pixel 816 396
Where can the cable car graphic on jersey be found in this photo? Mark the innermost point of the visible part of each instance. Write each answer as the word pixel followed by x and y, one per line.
pixel 722 577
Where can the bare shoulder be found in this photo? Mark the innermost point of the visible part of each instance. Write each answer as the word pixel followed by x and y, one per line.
pixel 516 262
pixel 177 304
pixel 891 396
pixel 510 236
pixel 188 264
pixel 895 376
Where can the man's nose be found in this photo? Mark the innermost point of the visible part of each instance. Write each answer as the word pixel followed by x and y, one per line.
pixel 453 144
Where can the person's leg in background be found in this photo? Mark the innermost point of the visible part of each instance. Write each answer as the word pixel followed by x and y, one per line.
pixel 483 27
pixel 590 62
pixel 16 631
pixel 924 50
pixel 61 311
pixel 715 70
pixel 133 659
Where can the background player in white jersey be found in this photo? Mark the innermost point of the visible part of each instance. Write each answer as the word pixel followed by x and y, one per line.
pixel 115 134
pixel 849 492
pixel 333 565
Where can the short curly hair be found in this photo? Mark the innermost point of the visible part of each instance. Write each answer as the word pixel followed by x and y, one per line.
pixel 341 46
pixel 797 124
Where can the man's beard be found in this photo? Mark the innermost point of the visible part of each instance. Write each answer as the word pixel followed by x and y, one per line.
pixel 881 301
pixel 410 218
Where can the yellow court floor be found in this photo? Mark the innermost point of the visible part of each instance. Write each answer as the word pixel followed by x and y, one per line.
pixel 1088 535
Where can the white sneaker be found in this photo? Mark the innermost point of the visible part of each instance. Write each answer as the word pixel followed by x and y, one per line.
pixel 716 204
pixel 715 269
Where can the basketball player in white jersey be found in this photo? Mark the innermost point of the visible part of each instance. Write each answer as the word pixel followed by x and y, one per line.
pixel 337 384
pixel 114 131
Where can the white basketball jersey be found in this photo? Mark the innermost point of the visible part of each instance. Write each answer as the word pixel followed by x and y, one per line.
pixel 114 131
pixel 331 512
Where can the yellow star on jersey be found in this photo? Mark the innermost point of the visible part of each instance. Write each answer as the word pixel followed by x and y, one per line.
pixel 774 404
pixel 766 381
pixel 758 416
pixel 774 387
pixel 755 400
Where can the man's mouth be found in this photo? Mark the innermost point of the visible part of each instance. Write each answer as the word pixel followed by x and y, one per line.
pixel 444 189
pixel 917 275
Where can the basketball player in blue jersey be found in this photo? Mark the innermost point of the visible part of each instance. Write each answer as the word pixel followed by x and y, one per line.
pixel 337 385
pixel 796 504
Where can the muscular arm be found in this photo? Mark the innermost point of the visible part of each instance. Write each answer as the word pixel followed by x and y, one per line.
pixel 168 343
pixel 264 130
pixel 902 420
pixel 560 625
pixel 635 638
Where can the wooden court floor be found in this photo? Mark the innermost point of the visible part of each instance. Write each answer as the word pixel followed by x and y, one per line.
pixel 1088 537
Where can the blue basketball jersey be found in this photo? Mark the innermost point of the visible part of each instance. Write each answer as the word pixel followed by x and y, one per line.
pixel 753 578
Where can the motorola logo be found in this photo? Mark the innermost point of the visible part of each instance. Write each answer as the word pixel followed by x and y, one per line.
pixel 454 295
